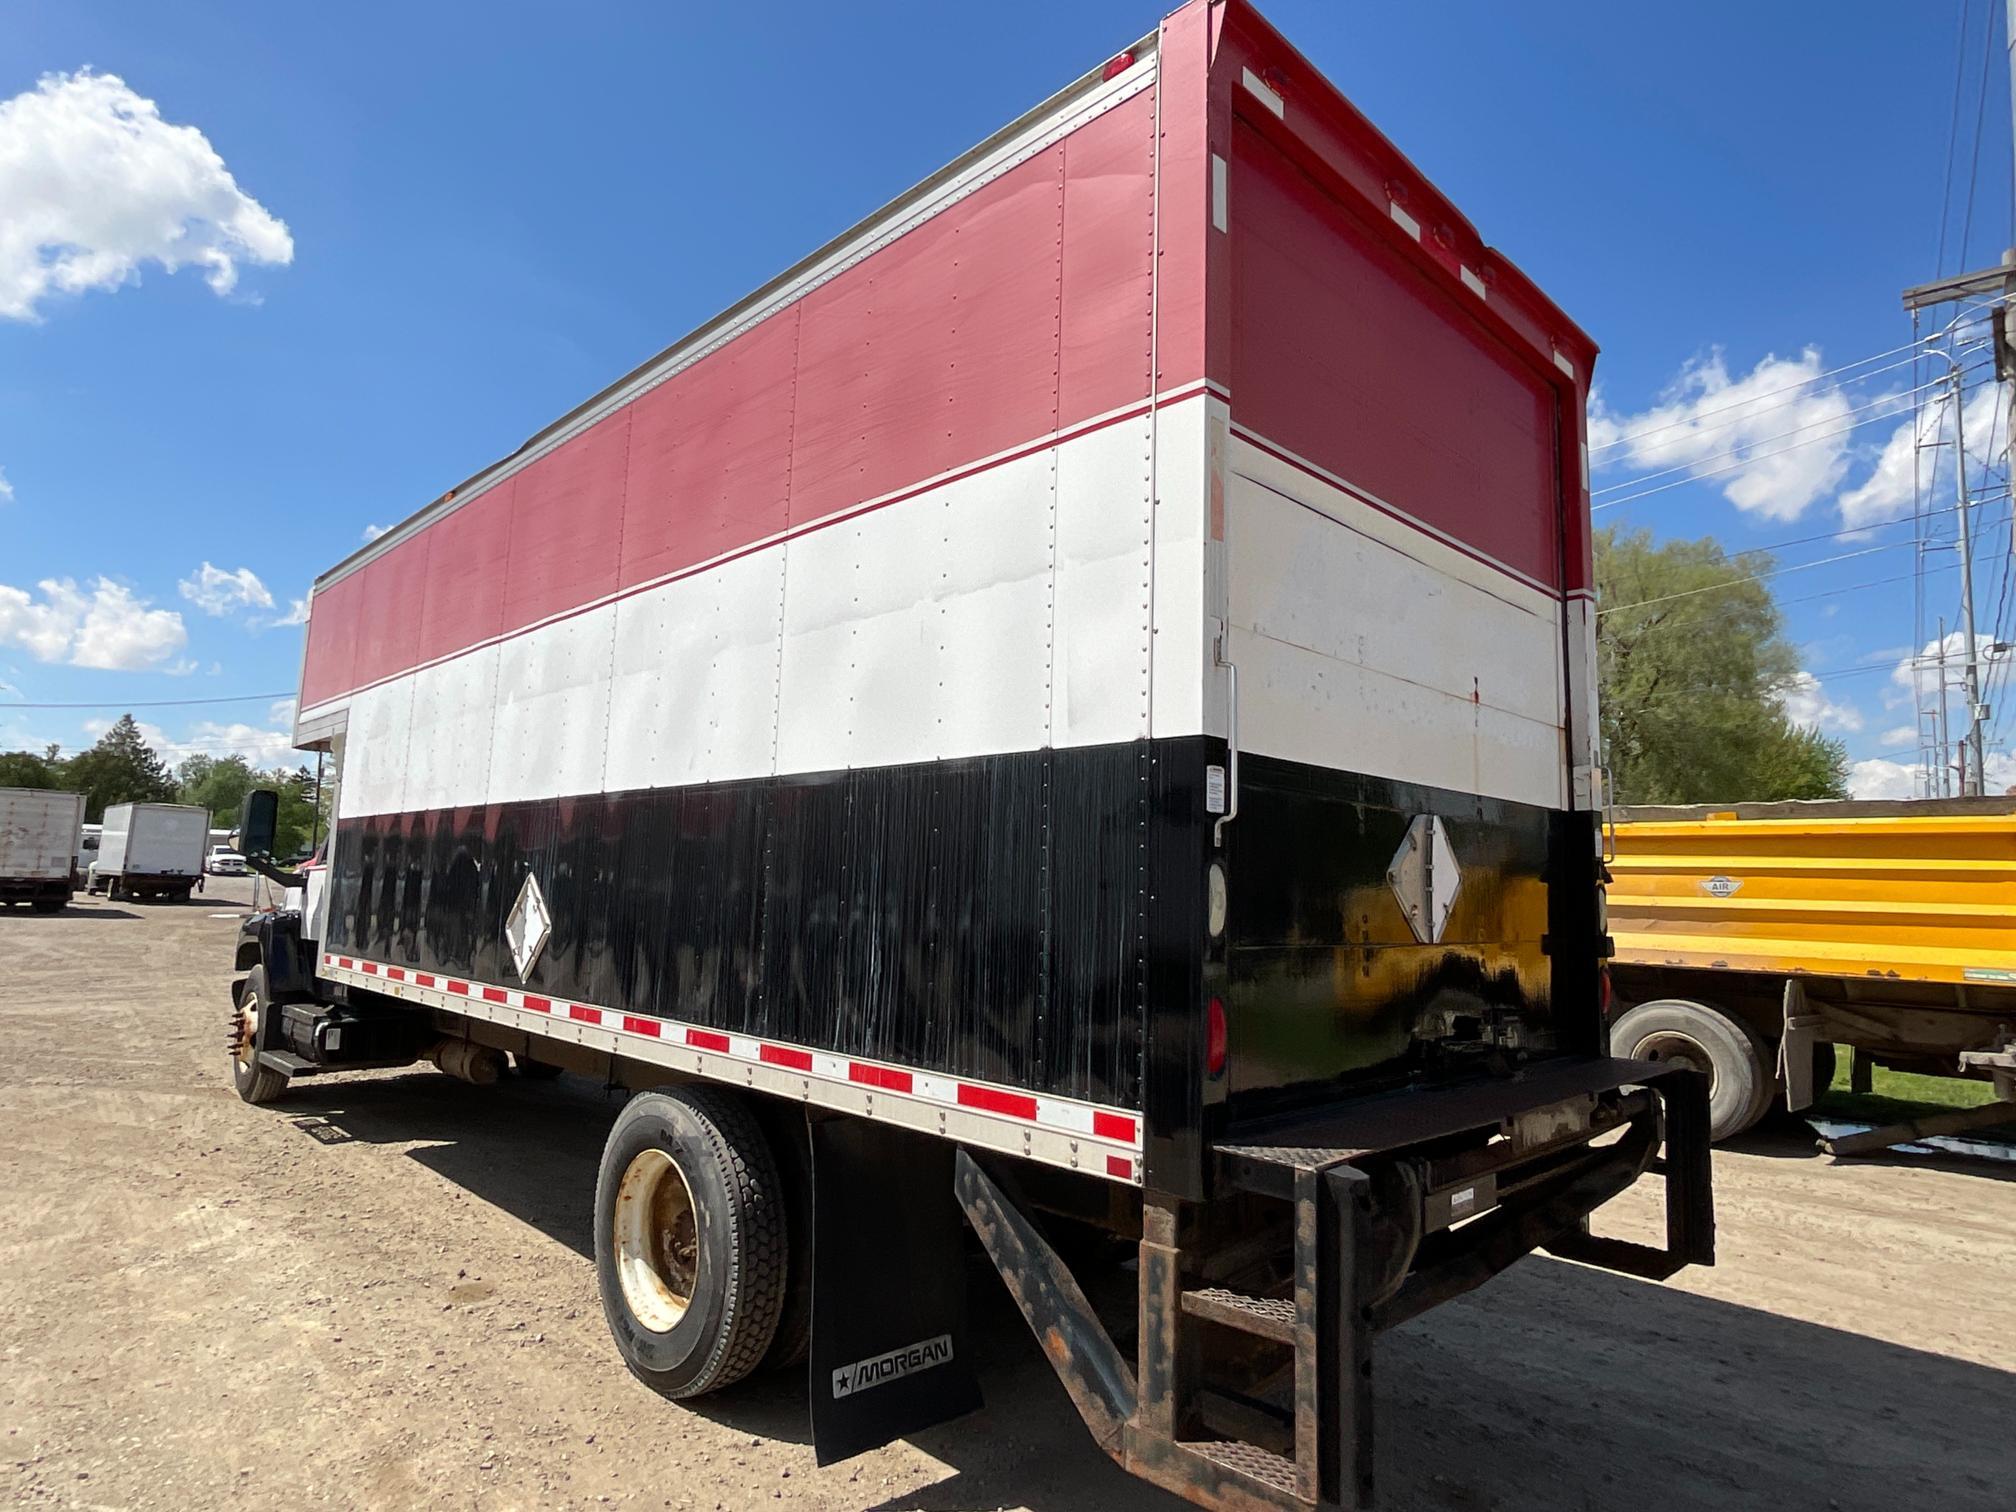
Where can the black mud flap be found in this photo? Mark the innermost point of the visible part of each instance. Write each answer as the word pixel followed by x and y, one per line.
pixel 890 1352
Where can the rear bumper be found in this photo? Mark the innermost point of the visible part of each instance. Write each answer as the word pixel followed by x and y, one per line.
pixel 1385 1208
pixel 33 889
pixel 1521 1146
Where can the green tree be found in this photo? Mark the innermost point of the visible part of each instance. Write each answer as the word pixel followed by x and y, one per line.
pixel 120 768
pixel 24 769
pixel 217 783
pixel 297 821
pixel 1694 665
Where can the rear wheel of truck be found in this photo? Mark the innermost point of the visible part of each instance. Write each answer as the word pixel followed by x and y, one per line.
pixel 1740 1079
pixel 255 1083
pixel 690 1239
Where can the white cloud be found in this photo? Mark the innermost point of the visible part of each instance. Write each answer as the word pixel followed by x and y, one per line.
pixel 96 183
pixel 217 592
pixel 6 488
pixel 1806 704
pixel 1890 489
pixel 297 614
pixel 1776 422
pixel 1898 736
pixel 109 629
pixel 1880 778
pixel 262 747
pixel 45 630
pixel 372 532
pixel 1923 671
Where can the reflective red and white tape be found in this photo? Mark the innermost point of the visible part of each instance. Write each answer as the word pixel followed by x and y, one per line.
pixel 1058 1131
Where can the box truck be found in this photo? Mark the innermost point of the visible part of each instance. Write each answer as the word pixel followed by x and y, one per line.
pixel 39 830
pixel 1070 711
pixel 151 850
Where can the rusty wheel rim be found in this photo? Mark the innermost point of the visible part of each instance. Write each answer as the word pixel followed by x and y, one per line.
pixel 245 1025
pixel 656 1236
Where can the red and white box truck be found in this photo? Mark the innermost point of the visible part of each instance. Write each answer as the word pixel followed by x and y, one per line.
pixel 1072 707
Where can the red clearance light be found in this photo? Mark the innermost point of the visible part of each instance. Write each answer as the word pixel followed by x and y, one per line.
pixel 1117 66
pixel 1603 993
pixel 1214 1038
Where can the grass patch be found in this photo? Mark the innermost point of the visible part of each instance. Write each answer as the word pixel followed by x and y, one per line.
pixel 1895 1096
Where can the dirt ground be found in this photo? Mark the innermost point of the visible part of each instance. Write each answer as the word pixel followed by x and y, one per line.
pixel 377 1293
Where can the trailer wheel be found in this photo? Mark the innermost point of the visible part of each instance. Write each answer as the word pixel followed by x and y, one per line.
pixel 1740 1079
pixel 255 1083
pixel 690 1240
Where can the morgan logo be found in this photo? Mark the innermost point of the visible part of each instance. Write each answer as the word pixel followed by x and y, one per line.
pixel 865 1375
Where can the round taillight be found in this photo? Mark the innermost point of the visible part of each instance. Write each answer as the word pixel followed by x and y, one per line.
pixel 1214 1038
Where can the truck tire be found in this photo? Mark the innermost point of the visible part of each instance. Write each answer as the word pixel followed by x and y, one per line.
pixel 791 1139
pixel 255 1083
pixel 690 1240
pixel 1741 1081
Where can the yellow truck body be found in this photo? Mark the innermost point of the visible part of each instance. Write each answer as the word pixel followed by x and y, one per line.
pixel 1888 896
pixel 1750 939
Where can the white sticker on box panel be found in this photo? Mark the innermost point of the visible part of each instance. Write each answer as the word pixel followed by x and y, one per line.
pixel 1214 790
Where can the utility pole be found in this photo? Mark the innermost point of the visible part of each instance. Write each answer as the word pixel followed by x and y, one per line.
pixel 1984 285
pixel 1971 769
pixel 1945 746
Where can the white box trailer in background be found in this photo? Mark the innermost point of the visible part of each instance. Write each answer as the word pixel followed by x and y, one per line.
pixel 39 830
pixel 151 850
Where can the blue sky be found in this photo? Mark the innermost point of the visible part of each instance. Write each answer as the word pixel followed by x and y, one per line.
pixel 443 234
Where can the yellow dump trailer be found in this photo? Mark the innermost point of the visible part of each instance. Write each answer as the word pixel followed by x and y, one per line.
pixel 1753 938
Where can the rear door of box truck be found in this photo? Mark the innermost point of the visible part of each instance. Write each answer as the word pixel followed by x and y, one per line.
pixel 1406 601
pixel 38 833
pixel 166 840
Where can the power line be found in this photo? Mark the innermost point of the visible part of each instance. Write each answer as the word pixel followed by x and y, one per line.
pixel 1980 114
pixel 1835 535
pixel 1732 449
pixel 1736 466
pixel 152 703
pixel 1952 133
pixel 1902 577
pixel 1790 388
pixel 1751 413
pixel 1758 577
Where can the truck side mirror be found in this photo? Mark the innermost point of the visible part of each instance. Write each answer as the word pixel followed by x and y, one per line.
pixel 258 822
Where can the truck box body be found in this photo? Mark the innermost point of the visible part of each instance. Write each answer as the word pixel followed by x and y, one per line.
pixel 868 683
pixel 148 843
pixel 39 830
